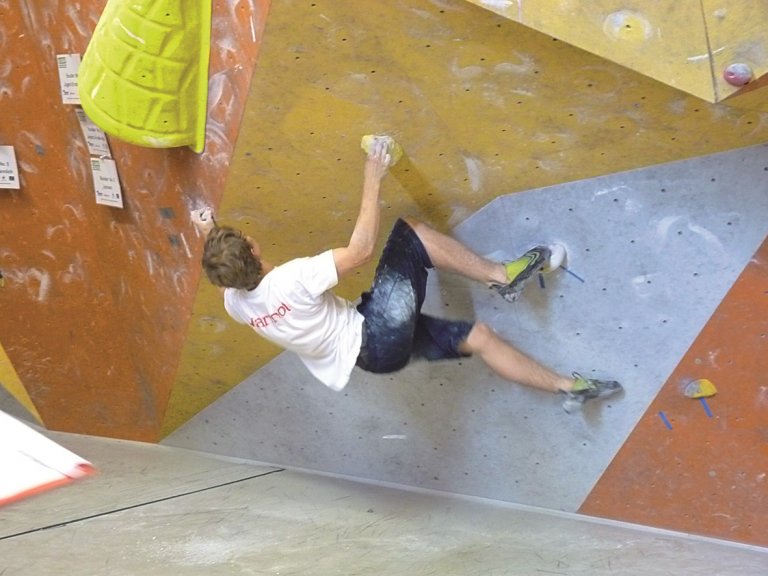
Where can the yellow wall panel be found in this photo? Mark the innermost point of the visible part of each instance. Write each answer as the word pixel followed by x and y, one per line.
pixel 687 44
pixel 10 381
pixel 738 34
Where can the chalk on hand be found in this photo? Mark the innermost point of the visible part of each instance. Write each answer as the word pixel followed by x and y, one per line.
pixel 203 219
pixel 393 148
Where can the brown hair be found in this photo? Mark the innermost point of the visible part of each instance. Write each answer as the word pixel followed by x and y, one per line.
pixel 228 259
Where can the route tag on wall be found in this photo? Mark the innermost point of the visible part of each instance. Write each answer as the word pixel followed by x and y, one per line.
pixel 106 182
pixel 9 171
pixel 94 136
pixel 68 64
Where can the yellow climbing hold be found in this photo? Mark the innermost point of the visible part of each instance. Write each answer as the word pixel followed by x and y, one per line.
pixel 144 75
pixel 702 388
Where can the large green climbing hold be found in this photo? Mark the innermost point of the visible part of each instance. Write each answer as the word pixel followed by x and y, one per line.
pixel 144 75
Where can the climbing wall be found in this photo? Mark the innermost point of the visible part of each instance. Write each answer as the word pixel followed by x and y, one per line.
pixel 512 133
pixel 664 284
pixel 483 106
pixel 700 465
pixel 97 300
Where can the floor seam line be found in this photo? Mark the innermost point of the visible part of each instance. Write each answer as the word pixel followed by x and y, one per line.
pixel 140 505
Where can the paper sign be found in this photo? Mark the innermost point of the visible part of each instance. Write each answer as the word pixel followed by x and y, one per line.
pixel 69 64
pixel 106 183
pixel 94 136
pixel 9 171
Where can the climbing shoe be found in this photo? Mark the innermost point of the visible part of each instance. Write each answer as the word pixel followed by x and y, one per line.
pixel 588 389
pixel 521 270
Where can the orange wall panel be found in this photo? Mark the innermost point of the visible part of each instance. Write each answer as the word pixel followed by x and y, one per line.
pixel 96 300
pixel 704 472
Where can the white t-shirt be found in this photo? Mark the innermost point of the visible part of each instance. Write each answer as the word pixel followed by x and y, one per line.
pixel 294 308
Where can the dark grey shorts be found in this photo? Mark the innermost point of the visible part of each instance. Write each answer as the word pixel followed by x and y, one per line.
pixel 394 329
